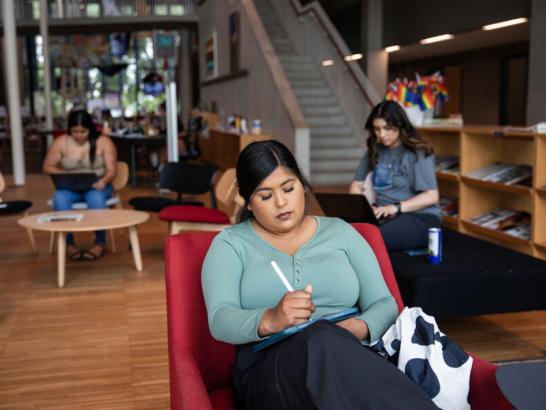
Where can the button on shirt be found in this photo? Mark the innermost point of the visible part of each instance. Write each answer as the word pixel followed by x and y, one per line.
pixel 239 283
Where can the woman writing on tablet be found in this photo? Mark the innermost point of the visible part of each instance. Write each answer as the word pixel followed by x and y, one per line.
pixel 330 267
pixel 83 149
pixel 403 176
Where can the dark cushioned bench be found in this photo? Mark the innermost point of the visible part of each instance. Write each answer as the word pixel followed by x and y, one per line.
pixel 475 277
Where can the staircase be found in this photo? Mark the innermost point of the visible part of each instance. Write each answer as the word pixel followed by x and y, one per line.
pixel 335 149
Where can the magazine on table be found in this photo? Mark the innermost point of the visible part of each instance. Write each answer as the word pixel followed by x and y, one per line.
pixel 56 217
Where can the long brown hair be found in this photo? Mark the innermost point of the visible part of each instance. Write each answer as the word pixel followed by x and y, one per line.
pixel 394 116
pixel 84 119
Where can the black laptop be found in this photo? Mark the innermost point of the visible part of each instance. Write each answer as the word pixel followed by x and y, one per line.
pixel 349 207
pixel 74 181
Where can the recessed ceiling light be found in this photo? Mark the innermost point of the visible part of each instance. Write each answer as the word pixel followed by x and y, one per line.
pixel 436 39
pixel 506 23
pixel 328 62
pixel 353 57
pixel 391 49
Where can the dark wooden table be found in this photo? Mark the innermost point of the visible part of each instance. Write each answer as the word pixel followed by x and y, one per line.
pixel 133 140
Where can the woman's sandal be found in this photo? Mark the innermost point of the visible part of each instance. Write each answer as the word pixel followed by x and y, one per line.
pixel 74 254
pixel 90 255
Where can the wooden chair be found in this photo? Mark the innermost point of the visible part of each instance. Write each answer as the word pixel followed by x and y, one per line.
pixel 184 217
pixel 8 208
pixel 118 183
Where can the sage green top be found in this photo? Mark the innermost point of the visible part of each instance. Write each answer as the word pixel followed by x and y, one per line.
pixel 239 283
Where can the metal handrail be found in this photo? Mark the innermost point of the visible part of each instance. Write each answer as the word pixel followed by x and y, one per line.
pixel 316 10
pixel 26 10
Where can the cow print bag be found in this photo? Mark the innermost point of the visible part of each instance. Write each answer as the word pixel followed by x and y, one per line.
pixel 418 348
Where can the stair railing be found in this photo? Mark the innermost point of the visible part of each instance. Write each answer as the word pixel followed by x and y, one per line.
pixel 315 9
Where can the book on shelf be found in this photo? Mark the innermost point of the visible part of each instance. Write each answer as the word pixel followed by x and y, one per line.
pixel 508 174
pixel 505 220
pixel 483 172
pixel 539 127
pixel 520 230
pixel 448 206
pixel 512 174
pixel 445 163
pixel 492 219
pixel 57 217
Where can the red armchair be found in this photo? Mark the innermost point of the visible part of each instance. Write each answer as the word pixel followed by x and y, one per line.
pixel 199 365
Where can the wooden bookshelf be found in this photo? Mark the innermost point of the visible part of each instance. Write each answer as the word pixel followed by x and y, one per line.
pixel 514 189
pixel 451 221
pixel 222 148
pixel 477 147
pixel 447 176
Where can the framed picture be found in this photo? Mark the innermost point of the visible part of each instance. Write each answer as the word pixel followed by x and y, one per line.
pixel 234 40
pixel 211 56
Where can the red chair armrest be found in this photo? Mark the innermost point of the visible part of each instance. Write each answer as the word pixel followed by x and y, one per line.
pixel 188 390
pixel 484 391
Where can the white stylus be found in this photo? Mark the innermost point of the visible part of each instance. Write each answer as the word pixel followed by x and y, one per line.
pixel 281 276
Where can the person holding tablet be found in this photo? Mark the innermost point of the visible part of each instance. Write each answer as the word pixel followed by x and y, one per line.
pixel 327 268
pixel 83 149
pixel 402 170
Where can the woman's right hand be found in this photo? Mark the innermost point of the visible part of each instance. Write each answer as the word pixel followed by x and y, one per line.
pixel 294 308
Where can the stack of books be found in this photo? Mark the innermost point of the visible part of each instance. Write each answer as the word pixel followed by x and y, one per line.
pixel 448 206
pixel 507 174
pixel 447 163
pixel 508 221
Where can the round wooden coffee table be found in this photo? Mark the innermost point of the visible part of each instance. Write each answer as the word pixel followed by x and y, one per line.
pixel 93 220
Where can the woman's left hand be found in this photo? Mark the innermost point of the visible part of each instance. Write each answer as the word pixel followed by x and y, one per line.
pixel 99 185
pixel 357 327
pixel 384 211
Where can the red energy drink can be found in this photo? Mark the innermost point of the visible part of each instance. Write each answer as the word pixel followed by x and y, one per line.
pixel 435 246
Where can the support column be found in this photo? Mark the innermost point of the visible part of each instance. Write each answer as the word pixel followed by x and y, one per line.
pixel 184 75
pixel 536 90
pixel 44 32
pixel 376 61
pixel 13 97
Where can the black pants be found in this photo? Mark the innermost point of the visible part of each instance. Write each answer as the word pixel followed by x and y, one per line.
pixel 322 367
pixel 408 231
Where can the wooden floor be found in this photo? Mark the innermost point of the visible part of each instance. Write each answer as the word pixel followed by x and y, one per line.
pixel 101 343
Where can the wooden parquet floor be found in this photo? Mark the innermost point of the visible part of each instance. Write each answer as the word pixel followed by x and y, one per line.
pixel 101 342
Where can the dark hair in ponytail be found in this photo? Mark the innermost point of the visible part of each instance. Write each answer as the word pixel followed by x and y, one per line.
pixel 256 162
pixel 83 119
